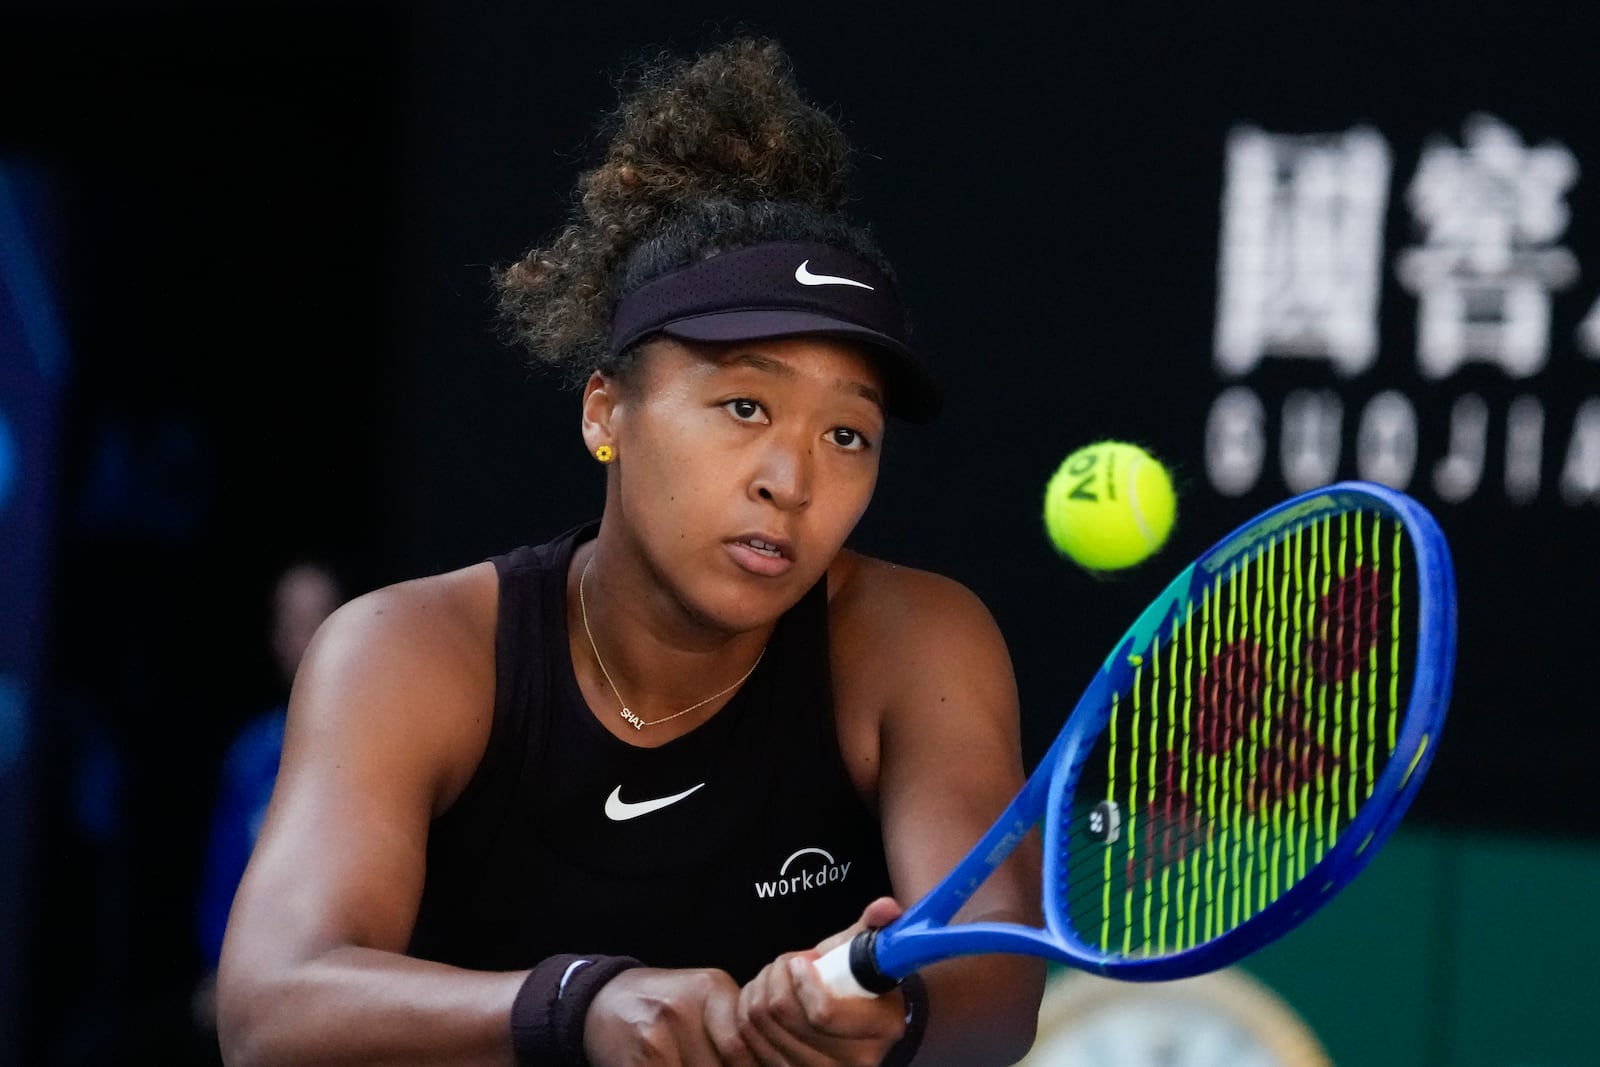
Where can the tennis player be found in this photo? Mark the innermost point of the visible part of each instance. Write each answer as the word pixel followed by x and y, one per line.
pixel 603 800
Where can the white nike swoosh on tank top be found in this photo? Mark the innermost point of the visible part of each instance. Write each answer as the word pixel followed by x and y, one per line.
pixel 619 810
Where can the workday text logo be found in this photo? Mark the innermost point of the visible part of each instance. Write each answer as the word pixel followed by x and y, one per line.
pixel 809 868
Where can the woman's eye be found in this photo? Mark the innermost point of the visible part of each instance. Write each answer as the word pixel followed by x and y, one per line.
pixel 848 439
pixel 744 410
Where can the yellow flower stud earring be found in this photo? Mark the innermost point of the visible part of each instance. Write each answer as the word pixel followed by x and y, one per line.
pixel 605 454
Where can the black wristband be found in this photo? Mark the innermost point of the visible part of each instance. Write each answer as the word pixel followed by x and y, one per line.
pixel 915 993
pixel 548 1012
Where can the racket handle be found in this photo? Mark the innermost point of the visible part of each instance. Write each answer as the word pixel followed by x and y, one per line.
pixel 850 969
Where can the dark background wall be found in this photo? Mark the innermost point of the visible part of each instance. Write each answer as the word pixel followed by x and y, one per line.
pixel 277 224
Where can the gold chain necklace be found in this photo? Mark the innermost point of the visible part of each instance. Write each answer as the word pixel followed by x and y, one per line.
pixel 628 715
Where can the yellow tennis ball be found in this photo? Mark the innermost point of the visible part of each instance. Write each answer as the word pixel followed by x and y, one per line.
pixel 1109 505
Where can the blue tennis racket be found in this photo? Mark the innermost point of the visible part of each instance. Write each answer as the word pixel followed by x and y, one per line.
pixel 1240 756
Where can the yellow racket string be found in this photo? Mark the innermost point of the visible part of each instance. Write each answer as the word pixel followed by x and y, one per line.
pixel 1171 785
pixel 1133 817
pixel 1111 799
pixel 1394 646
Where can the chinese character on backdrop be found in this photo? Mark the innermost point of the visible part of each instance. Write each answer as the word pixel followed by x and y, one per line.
pixel 1300 276
pixel 1490 213
pixel 1302 242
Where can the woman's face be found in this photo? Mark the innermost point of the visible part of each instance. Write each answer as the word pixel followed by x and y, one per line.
pixel 741 469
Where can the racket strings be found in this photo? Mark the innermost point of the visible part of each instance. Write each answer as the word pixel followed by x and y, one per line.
pixel 1251 732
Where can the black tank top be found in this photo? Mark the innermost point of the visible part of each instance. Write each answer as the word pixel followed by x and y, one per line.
pixel 722 848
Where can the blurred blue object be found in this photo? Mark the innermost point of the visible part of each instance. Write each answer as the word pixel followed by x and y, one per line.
pixel 32 361
pixel 248 772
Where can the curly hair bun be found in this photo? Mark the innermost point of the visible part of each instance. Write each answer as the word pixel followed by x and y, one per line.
pixel 700 144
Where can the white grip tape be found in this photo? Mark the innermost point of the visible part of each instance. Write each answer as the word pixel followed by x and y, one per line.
pixel 834 966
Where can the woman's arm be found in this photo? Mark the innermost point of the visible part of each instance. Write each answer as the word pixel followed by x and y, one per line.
pixel 389 714
pixel 388 720
pixel 946 761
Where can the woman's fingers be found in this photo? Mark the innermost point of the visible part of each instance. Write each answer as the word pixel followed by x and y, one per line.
pixel 790 1018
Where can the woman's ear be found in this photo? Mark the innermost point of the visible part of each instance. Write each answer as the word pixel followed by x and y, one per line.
pixel 600 397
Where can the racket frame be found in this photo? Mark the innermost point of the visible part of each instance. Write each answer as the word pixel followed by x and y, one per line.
pixel 921 935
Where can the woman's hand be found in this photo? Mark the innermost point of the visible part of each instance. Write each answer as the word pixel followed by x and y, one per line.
pixel 675 1018
pixel 788 1018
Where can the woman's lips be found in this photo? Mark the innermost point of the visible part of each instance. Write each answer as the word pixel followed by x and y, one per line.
pixel 760 555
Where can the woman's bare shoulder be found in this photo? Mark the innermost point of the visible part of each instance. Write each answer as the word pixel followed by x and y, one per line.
pixel 412 662
pixel 450 612
pixel 906 638
pixel 901 606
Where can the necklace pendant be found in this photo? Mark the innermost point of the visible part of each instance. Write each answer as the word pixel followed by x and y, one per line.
pixel 638 723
